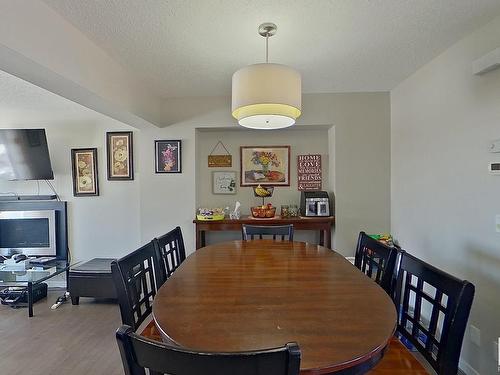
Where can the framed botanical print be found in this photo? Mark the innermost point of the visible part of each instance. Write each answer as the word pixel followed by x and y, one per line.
pixel 265 165
pixel 168 156
pixel 119 148
pixel 224 182
pixel 84 171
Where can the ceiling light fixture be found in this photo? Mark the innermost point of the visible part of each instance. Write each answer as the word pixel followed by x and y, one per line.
pixel 266 96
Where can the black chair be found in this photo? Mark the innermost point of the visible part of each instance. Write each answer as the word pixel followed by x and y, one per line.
pixel 170 248
pixel 136 277
pixel 376 260
pixel 250 231
pixel 424 291
pixel 139 353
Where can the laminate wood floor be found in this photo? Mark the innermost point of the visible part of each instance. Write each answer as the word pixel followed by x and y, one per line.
pixel 69 340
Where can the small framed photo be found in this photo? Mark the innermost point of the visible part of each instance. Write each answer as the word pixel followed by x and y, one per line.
pixel 265 165
pixel 224 182
pixel 84 171
pixel 168 156
pixel 120 155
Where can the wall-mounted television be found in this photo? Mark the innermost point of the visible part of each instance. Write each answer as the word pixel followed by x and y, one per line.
pixel 24 155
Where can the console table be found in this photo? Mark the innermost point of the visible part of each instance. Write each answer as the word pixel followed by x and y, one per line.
pixel 321 224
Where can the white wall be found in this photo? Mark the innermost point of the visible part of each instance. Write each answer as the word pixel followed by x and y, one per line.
pixel 361 162
pixel 103 226
pixel 443 199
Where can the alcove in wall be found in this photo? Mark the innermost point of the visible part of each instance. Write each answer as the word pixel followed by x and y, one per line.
pixel 302 140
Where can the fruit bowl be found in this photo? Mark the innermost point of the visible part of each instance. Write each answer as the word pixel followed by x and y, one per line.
pixel 263 212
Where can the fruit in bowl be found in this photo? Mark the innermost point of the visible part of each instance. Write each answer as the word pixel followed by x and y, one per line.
pixel 262 212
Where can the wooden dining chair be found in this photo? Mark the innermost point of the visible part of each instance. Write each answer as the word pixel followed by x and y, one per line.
pixel 376 260
pixel 249 232
pixel 136 277
pixel 433 309
pixel 139 353
pixel 172 253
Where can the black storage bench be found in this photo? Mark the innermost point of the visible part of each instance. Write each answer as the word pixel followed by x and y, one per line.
pixel 91 279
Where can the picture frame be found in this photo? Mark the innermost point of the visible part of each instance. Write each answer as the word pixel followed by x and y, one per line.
pixel 119 153
pixel 168 156
pixel 84 172
pixel 265 165
pixel 224 182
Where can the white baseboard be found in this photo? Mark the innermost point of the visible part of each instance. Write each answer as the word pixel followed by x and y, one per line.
pixel 466 368
pixel 56 283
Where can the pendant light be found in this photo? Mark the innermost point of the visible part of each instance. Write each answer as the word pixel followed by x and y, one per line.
pixel 266 96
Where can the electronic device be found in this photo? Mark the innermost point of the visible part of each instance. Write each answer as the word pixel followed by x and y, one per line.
pixel 25 155
pixel 314 203
pixel 42 261
pixel 28 232
pixel 18 296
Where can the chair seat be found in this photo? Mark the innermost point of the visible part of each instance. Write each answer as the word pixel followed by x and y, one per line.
pixel 151 332
pixel 398 360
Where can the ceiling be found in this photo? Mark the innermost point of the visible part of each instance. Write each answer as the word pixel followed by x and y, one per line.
pixel 191 48
pixel 22 103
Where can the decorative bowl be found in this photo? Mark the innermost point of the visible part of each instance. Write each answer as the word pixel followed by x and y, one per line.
pixel 263 212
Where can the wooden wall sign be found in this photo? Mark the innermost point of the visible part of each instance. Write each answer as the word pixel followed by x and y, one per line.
pixel 220 160
pixel 309 172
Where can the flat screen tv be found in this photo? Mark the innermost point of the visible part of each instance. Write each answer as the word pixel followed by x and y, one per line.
pixel 24 155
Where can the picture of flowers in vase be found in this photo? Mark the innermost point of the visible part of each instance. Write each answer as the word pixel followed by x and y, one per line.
pixel 120 164
pixel 84 170
pixel 265 165
pixel 168 156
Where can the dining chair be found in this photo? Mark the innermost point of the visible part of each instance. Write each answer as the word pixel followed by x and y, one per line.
pixel 170 248
pixel 433 309
pixel 136 277
pixel 250 231
pixel 376 260
pixel 139 353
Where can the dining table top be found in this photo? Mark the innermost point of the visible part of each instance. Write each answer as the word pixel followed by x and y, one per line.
pixel 251 295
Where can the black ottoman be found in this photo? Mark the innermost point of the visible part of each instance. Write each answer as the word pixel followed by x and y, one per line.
pixel 91 279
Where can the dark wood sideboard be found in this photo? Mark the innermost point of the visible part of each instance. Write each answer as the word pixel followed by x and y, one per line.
pixel 322 224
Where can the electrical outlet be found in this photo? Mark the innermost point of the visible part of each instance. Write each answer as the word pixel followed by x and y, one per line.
pixel 475 335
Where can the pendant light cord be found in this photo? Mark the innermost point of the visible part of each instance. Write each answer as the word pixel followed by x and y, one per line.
pixel 267 48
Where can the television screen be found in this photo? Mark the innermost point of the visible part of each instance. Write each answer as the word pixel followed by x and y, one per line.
pixel 24 155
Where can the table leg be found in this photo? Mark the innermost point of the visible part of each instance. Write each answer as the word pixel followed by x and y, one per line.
pixel 328 234
pixel 321 237
pixel 30 299
pixel 203 242
pixel 198 238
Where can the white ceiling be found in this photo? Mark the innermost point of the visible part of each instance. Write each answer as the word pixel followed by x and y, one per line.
pixel 23 104
pixel 191 48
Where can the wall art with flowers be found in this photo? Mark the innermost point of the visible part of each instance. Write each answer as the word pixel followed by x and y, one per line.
pixel 265 165
pixel 84 171
pixel 168 156
pixel 120 155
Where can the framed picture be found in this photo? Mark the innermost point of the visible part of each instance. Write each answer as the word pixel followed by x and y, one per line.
pixel 224 182
pixel 168 156
pixel 84 171
pixel 265 165
pixel 120 155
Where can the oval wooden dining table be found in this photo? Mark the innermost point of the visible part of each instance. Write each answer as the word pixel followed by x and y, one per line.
pixel 250 295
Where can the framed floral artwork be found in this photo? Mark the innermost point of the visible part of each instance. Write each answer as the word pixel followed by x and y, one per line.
pixel 168 156
pixel 84 171
pixel 265 165
pixel 224 182
pixel 119 148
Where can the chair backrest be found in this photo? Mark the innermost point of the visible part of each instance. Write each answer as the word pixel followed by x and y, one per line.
pixel 135 277
pixel 171 249
pixel 139 353
pixel 434 307
pixel 250 231
pixel 376 260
